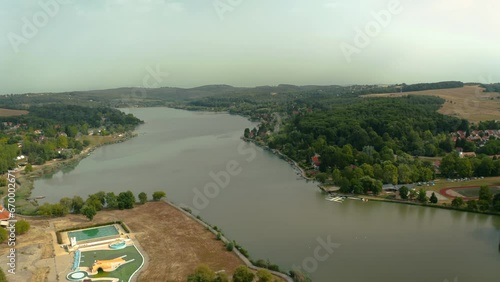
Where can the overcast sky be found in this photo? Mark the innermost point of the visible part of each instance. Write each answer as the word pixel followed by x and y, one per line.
pixel 98 44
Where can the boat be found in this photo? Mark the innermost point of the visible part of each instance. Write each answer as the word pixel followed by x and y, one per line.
pixel 334 199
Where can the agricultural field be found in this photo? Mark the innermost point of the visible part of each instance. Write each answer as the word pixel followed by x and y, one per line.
pixel 11 113
pixel 469 102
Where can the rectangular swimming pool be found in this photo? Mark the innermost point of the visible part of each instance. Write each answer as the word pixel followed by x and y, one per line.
pixel 93 233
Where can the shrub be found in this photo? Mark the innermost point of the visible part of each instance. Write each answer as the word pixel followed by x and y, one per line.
pixel 22 226
pixel 158 195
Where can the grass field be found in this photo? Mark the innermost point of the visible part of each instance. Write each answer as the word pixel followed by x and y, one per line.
pixel 11 113
pixel 123 272
pixel 469 102
pixel 474 192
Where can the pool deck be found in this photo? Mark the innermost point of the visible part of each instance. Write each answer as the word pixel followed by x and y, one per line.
pixel 65 235
pixel 64 256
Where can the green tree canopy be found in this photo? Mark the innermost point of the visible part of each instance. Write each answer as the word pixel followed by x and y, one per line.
pixel 243 274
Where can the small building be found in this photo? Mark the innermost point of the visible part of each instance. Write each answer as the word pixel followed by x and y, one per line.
pixel 315 162
pixel 5 215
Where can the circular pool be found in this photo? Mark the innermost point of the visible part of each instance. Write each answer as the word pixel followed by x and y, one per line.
pixel 77 275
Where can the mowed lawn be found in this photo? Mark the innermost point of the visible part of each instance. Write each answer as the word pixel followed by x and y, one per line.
pixel 123 272
pixel 474 192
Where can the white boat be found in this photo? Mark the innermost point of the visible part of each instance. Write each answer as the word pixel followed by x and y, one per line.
pixel 335 199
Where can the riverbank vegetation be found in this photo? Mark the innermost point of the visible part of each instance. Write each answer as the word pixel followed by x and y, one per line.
pixel 94 203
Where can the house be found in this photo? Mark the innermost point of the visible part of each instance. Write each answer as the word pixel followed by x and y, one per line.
pixel 5 215
pixel 467 154
pixel 315 162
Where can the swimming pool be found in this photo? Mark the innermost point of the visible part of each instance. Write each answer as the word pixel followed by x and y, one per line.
pixel 93 233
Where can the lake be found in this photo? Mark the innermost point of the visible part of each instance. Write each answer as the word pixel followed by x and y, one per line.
pixel 198 159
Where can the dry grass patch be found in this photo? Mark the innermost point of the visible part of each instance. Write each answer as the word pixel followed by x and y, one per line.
pixel 469 102
pixel 11 113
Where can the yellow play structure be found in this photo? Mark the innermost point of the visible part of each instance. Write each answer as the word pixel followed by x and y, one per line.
pixel 107 265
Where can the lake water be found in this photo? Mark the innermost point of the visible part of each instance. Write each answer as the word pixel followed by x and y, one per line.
pixel 257 200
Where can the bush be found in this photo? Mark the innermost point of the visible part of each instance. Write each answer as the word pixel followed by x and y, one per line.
pixel 22 226
pixel 229 247
pixel 158 195
pixel 264 276
pixel 143 198
pixel 243 274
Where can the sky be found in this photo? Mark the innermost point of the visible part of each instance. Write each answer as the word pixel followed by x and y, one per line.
pixel 67 45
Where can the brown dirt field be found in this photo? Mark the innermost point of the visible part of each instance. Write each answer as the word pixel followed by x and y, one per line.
pixel 11 113
pixel 173 243
pixel 469 102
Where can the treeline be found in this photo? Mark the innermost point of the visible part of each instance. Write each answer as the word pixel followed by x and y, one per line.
pixel 203 273
pixel 431 86
pixel 492 87
pixel 95 202
pixel 453 166
pixel 73 118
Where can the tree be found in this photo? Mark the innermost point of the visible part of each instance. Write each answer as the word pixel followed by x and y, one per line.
pixel 95 201
pixel 422 196
pixel 483 205
pixel 243 274
pixel 485 193
pixel 45 209
pixel 264 276
pixel 143 198
pixel 111 200
pixel 390 173
pixel 59 210
pixel 202 273
pixel 126 200
pixel 77 204
pixel 464 167
pixel 22 226
pixel 89 211
pixel 67 202
pixel 413 194
pixel 496 202
pixel 158 195
pixel 403 192
pixel 321 177
pixel 433 199
pixel 457 202
pixel 472 205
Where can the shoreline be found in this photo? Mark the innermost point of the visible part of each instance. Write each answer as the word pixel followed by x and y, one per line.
pixel 26 180
pixel 295 165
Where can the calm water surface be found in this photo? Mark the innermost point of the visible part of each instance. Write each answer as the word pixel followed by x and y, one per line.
pixel 275 216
